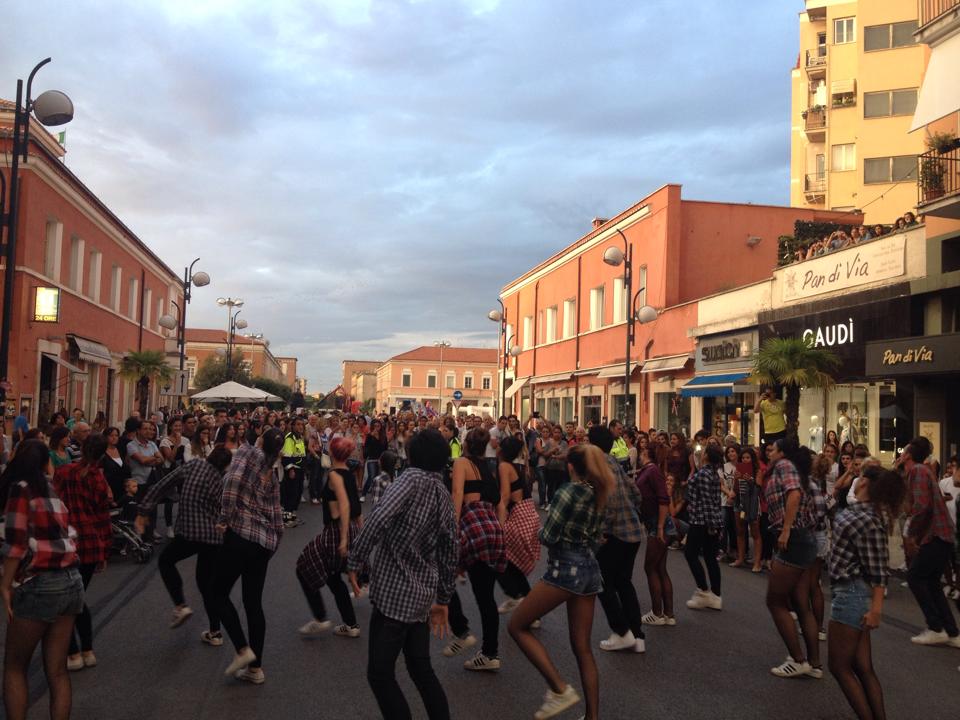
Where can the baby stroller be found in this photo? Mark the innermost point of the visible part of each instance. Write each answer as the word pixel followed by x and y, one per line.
pixel 126 541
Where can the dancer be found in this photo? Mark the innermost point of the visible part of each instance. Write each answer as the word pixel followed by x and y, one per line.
pixel 571 532
pixel 703 538
pixel 858 579
pixel 252 523
pixel 411 577
pixel 521 527
pixel 323 560
pixel 654 511
pixel 199 484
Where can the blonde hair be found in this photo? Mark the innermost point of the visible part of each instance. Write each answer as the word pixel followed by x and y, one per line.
pixel 591 467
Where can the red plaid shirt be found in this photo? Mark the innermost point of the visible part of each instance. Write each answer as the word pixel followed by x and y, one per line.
pixel 37 532
pixel 929 517
pixel 481 537
pixel 84 491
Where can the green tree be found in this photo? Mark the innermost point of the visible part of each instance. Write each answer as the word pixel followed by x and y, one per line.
pixel 213 371
pixel 794 363
pixel 273 387
pixel 142 367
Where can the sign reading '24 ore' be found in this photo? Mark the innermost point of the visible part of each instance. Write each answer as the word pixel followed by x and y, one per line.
pixel 859 265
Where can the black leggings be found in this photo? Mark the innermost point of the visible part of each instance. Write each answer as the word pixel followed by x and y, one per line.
pixel 291 490
pixel 619 598
pixel 514 582
pixel 702 542
pixel 180 549
pixel 482 581
pixel 247 561
pixel 84 623
pixel 340 595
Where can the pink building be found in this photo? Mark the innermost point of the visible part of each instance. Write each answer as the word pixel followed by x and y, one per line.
pixel 431 376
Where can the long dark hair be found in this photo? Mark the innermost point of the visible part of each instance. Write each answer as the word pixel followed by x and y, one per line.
pixel 58 434
pixel 29 463
pixel 887 492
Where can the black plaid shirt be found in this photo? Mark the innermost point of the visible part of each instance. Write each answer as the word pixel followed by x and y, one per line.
pixel 200 487
pixel 860 547
pixel 703 498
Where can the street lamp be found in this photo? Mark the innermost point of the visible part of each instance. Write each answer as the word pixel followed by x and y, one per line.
pixel 235 324
pixel 615 256
pixel 441 344
pixel 50 108
pixel 179 323
pixel 509 350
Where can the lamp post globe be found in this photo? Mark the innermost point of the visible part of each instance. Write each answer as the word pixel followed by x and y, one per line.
pixel 53 108
pixel 168 322
pixel 613 256
pixel 646 314
pixel 495 316
pixel 515 351
pixel 200 278
pixel 241 324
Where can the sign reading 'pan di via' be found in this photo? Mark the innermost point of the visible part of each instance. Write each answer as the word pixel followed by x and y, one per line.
pixel 912 356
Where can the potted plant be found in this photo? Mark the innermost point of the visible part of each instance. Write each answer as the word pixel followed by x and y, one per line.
pixel 932 171
pixel 942 142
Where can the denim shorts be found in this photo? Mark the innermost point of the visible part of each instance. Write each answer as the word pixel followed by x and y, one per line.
pixel 851 601
pixel 801 549
pixel 49 595
pixel 575 571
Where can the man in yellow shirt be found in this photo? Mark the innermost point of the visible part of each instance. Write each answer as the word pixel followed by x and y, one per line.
pixel 771 412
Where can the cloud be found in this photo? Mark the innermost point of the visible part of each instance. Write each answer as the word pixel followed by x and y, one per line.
pixel 367 175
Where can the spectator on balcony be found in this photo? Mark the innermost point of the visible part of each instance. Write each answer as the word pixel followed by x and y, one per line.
pixel 909 219
pixel 879 230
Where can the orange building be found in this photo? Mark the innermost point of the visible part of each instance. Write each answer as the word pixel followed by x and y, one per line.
pixel 568 314
pixel 202 343
pixel 288 373
pixel 86 291
pixel 430 376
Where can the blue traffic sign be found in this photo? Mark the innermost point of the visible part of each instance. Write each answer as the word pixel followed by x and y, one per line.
pixel 457 395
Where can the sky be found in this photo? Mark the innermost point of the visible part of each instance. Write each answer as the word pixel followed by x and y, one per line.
pixel 367 175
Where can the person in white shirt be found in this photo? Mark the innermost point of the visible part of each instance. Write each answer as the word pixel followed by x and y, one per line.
pixel 950 487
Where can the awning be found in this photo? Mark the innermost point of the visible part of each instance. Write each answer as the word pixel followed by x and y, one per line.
pixel 616 370
pixel 662 364
pixel 515 388
pixel 940 93
pixel 559 377
pixel 64 364
pixel 713 385
pixel 843 87
pixel 91 350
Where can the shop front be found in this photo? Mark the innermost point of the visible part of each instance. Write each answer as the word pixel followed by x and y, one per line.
pixel 722 365
pixel 665 375
pixel 859 408
pixel 927 372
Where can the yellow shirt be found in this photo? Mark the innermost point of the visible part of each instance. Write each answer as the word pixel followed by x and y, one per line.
pixel 772 411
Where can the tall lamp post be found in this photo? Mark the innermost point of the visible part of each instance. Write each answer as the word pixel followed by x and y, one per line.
pixel 50 108
pixel 235 324
pixel 500 316
pixel 230 303
pixel 615 256
pixel 179 323
pixel 441 381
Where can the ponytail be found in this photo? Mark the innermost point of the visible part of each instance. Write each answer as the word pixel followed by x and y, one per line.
pixel 591 467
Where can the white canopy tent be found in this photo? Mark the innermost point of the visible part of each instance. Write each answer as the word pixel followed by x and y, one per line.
pixel 235 392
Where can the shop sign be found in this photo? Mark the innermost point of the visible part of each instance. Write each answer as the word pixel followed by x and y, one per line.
pixel 830 335
pixel 725 350
pixel 870 262
pixel 912 356
pixel 46 307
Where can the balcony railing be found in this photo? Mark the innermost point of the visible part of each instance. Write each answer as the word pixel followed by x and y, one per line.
pixel 939 175
pixel 815 119
pixel 816 61
pixel 930 10
pixel 815 183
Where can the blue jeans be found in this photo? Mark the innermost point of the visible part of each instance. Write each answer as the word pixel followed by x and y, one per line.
pixel 371 469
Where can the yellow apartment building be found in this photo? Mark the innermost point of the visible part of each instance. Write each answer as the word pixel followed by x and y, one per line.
pixel 854 93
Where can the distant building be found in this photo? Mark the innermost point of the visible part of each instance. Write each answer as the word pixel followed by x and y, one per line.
pixel 431 375
pixel 288 372
pixel 257 358
pixel 363 386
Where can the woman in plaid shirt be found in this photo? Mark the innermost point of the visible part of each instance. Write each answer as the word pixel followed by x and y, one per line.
pixel 40 554
pixel 858 578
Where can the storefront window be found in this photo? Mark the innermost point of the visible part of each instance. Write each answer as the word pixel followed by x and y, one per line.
pixel 524 409
pixel 568 411
pixel 862 413
pixel 673 413
pixel 542 407
pixel 616 403
pixel 591 409
pixel 553 409
pixel 731 415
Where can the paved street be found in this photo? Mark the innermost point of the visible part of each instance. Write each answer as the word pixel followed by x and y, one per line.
pixel 711 665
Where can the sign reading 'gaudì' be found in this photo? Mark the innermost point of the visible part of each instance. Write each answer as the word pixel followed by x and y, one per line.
pixel 859 265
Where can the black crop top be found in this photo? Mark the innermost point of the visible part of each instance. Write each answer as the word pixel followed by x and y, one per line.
pixel 521 482
pixel 486 486
pixel 328 496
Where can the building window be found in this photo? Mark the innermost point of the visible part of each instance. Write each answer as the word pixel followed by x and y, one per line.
pixel 148 308
pixel 133 287
pixel 889 169
pixel 889 102
pixel 540 325
pixel 528 332
pixel 431 379
pixel 641 287
pixel 843 157
pixel 51 250
pixel 509 339
pixel 596 308
pixel 191 367
pixel 551 324
pixel 569 318
pixel 893 35
pixel 93 281
pixel 76 264
pixel 116 277
pixel 467 381
pixel 844 30
pixel 486 382
pixel 160 312
pixel 406 378
pixel 619 301
pixel 450 381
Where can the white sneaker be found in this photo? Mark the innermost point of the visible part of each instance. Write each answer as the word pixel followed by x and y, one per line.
pixel 791 669
pixel 458 645
pixel 536 625
pixel 212 638
pixel 640 646
pixel 954 642
pixel 251 675
pixel 699 600
pixel 482 662
pixel 508 606
pixel 240 662
pixel 618 642
pixel 89 659
pixel 556 703
pixel 347 631
pixel 929 637
pixel 75 663
pixel 315 627
pixel 652 619
pixel 180 616
pixel 671 621
pixel 714 602
pixel 815 672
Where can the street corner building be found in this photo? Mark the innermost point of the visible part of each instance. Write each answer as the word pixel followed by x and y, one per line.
pixel 86 291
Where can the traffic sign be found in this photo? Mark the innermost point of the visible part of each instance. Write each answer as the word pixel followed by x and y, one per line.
pixel 457 395
pixel 177 384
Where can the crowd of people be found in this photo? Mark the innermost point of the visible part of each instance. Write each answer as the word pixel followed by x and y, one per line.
pixel 472 497
pixel 841 240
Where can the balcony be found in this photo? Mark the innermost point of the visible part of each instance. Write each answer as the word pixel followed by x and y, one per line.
pixel 815 188
pixel 817 63
pixel 815 123
pixel 938 183
pixel 938 19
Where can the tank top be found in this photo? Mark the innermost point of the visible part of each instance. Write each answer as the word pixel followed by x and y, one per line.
pixel 328 496
pixel 486 485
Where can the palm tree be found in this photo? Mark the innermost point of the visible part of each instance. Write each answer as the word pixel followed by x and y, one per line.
pixel 794 363
pixel 142 367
